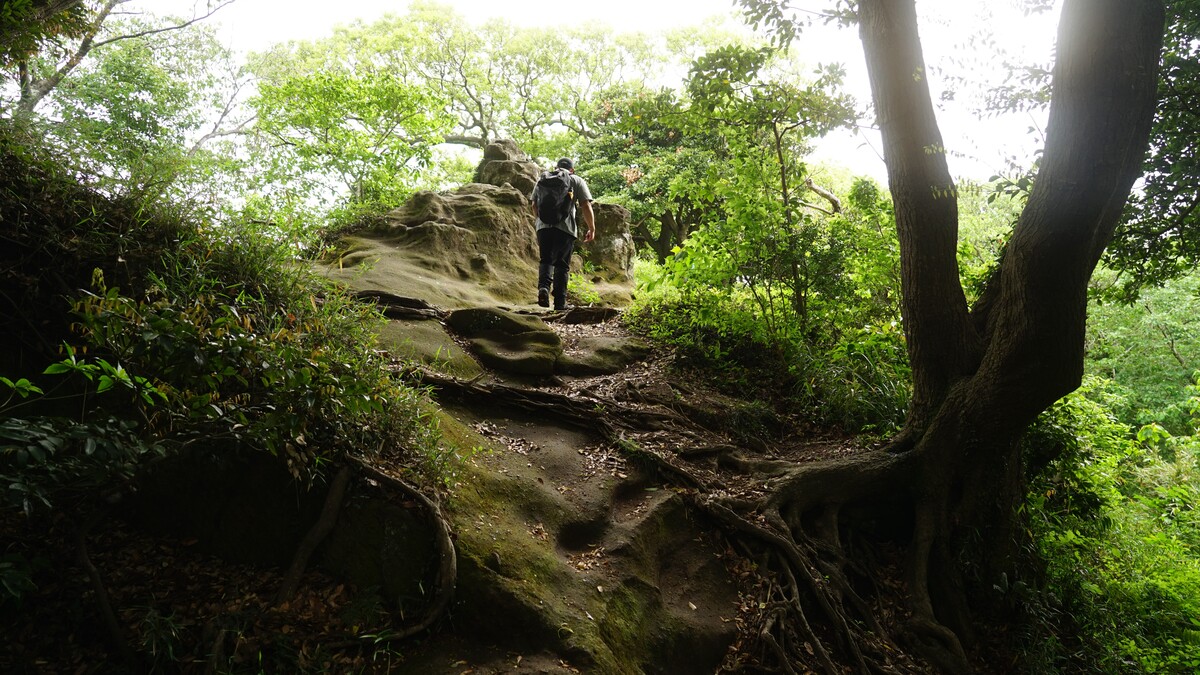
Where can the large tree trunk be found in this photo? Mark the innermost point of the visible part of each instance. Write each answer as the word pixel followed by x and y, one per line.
pixel 982 376
pixel 948 488
pixel 942 347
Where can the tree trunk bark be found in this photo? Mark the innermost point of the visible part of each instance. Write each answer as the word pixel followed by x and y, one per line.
pixel 942 346
pixel 669 236
pixel 981 377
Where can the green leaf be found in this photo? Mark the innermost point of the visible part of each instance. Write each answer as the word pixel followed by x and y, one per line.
pixel 58 368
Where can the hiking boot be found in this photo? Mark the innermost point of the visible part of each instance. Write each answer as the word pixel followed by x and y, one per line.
pixel 543 297
pixel 560 306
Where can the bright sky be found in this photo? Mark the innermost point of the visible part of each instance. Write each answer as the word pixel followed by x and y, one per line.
pixel 977 148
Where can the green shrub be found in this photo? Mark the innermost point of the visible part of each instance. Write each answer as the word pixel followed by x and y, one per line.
pixel 860 382
pixel 191 336
pixel 1115 521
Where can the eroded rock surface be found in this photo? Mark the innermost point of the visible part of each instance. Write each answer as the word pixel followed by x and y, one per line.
pixel 505 164
pixel 567 552
pixel 567 549
pixel 611 254
pixel 521 344
pixel 476 245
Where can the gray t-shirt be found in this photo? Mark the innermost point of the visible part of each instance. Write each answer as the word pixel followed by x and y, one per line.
pixel 581 193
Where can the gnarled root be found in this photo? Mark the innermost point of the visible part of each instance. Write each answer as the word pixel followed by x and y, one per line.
pixel 827 623
pixel 316 534
pixel 447 575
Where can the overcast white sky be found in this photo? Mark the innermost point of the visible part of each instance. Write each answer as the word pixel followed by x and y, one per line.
pixel 977 148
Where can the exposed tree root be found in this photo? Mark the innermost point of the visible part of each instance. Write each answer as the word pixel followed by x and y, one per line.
pixel 447 575
pixel 814 615
pixel 316 534
pixel 580 412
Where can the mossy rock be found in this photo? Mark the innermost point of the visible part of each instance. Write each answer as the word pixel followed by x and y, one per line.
pixel 507 571
pixel 379 543
pixel 508 342
pixel 427 342
pixel 601 355
pixel 659 603
pixel 531 353
pixel 478 321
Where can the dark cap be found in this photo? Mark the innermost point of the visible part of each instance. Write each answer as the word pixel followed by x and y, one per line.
pixel 566 163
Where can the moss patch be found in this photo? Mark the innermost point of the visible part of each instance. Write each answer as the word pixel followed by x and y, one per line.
pixel 427 342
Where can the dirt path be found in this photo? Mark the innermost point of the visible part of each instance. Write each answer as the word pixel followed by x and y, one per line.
pixel 593 475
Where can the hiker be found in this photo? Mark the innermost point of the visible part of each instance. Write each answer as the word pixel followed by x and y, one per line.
pixel 555 198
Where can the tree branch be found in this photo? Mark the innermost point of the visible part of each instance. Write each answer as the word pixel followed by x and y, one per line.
pixel 469 141
pixel 1101 112
pixel 37 91
pixel 164 29
pixel 32 93
pixel 835 204
pixel 943 346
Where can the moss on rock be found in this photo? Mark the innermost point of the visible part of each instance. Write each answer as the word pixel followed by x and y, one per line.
pixel 427 342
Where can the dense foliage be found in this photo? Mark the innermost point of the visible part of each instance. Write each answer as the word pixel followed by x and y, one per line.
pixel 1117 520
pixel 27 26
pixel 181 337
pixel 1160 238
pixel 343 140
pixel 728 299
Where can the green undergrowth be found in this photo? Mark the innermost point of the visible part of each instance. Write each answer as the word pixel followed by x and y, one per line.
pixel 136 333
pixel 1116 518
pixel 856 377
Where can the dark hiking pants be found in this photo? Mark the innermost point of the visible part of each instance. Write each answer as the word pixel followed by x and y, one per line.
pixel 555 246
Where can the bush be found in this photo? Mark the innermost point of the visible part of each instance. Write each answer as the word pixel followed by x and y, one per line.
pixel 190 336
pixel 859 382
pixel 1116 522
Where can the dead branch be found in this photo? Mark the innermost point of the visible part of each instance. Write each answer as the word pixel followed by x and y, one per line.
pixel 835 204
pixel 316 534
pixel 816 208
pixel 448 562
pixel 154 31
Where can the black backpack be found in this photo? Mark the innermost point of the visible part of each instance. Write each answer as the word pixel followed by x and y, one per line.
pixel 556 196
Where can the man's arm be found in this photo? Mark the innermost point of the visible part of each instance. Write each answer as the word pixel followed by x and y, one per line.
pixel 589 219
pixel 584 196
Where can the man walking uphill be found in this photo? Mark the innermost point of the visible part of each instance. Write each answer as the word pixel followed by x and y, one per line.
pixel 556 197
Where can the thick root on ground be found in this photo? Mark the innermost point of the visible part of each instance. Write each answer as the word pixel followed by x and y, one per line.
pixel 447 575
pixel 812 615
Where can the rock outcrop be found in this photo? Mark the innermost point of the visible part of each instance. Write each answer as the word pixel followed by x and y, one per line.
pixel 611 254
pixel 505 164
pixel 476 245
pixel 523 345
